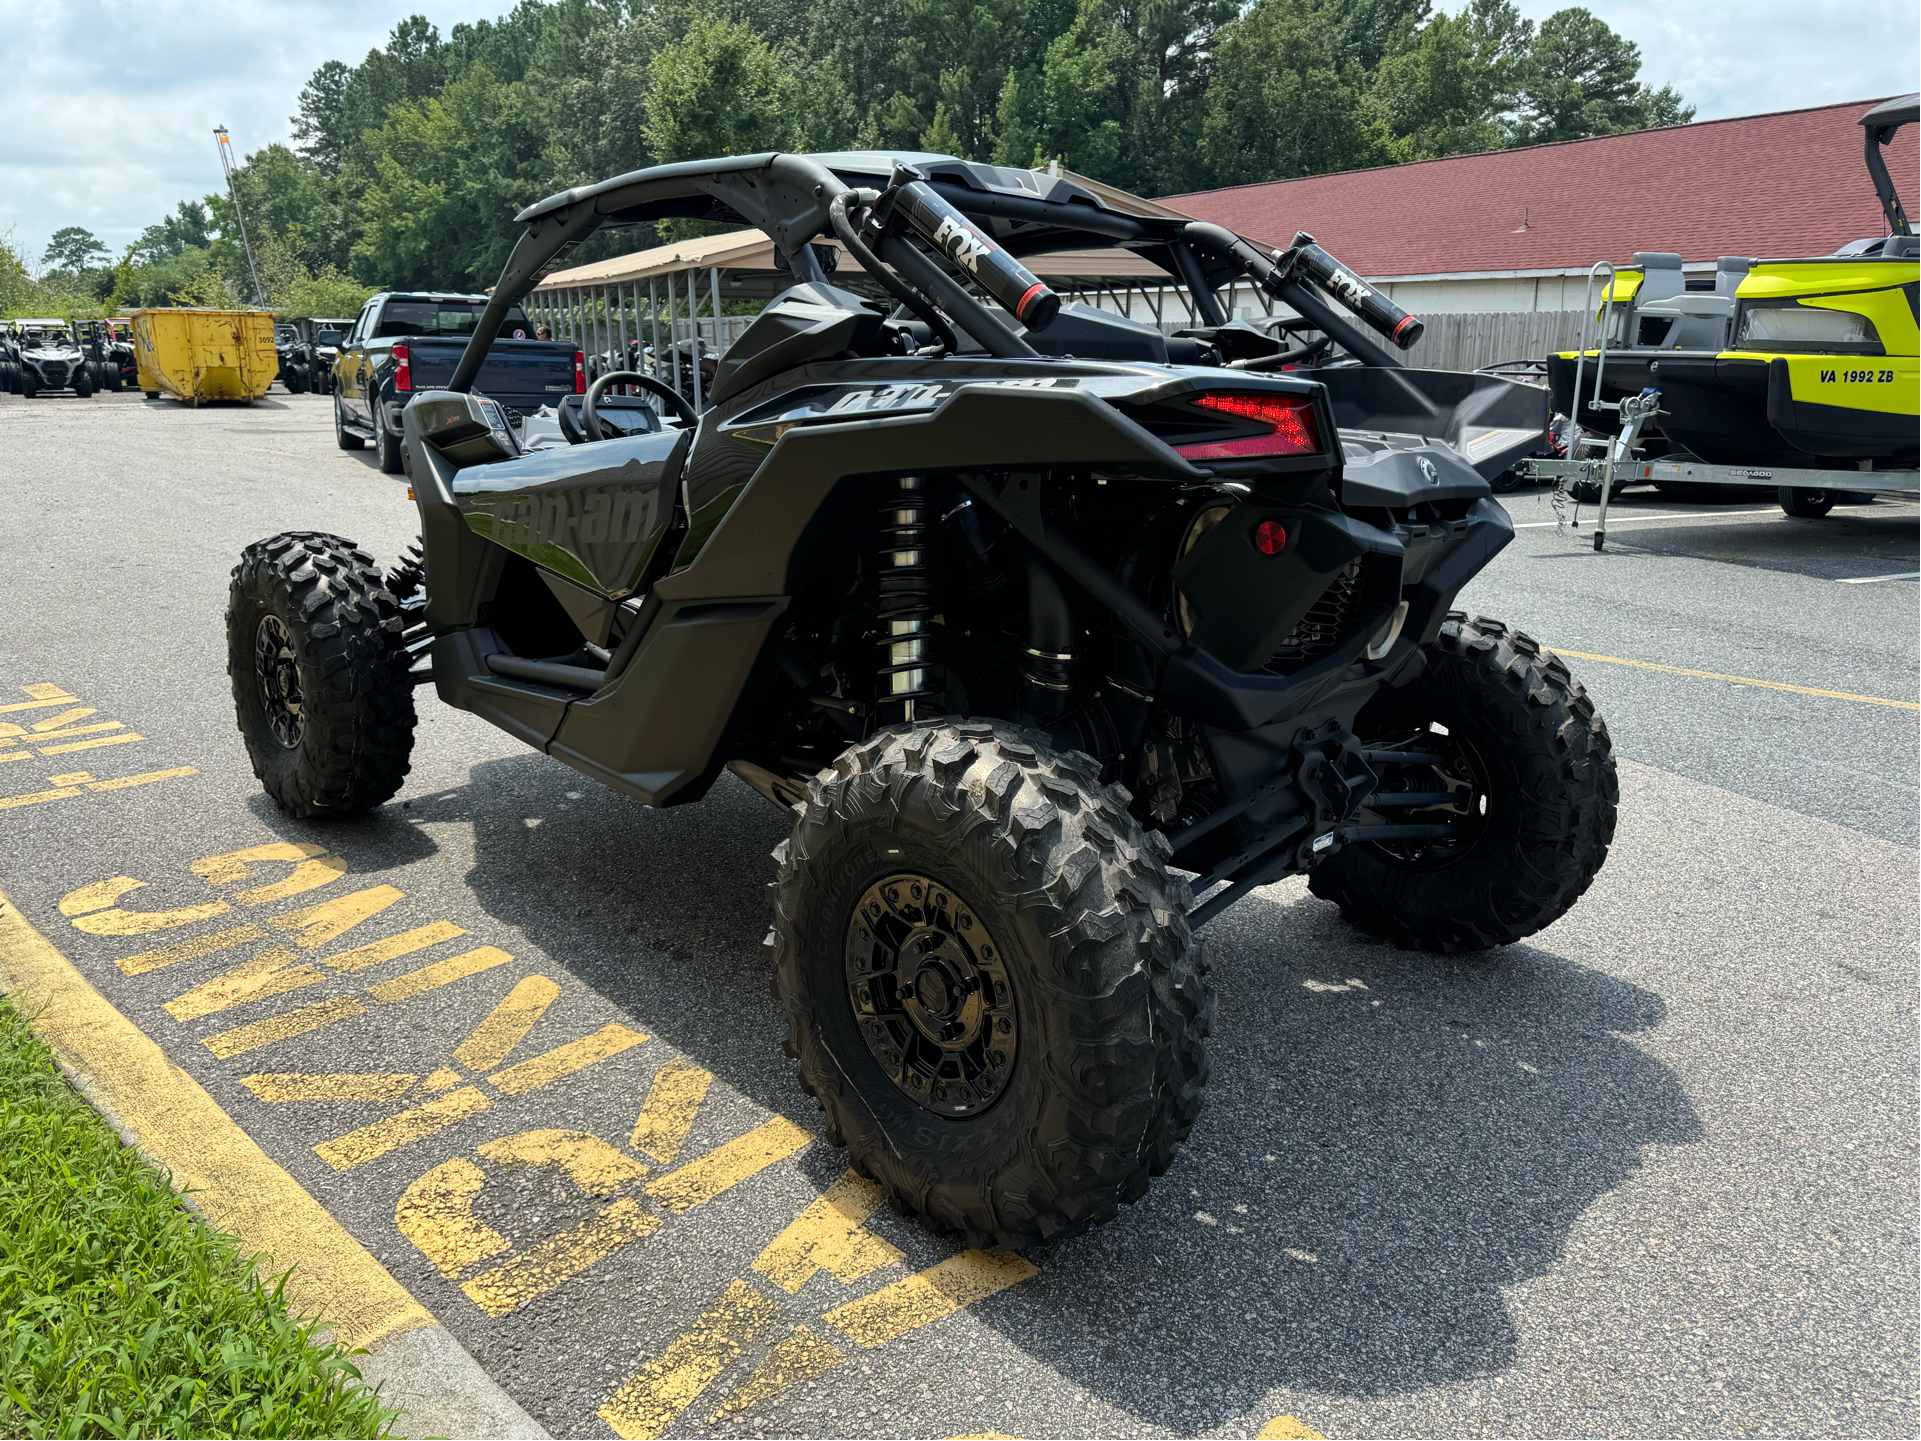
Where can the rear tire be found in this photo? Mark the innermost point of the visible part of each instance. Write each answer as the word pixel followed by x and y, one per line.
pixel 1052 910
pixel 392 459
pixel 343 437
pixel 1543 765
pixel 1807 504
pixel 320 683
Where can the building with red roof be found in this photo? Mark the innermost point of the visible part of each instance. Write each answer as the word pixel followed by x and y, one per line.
pixel 1516 230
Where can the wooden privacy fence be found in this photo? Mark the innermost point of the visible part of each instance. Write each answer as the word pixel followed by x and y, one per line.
pixel 1472 339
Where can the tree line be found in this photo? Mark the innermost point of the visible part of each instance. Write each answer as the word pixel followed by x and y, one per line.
pixel 406 168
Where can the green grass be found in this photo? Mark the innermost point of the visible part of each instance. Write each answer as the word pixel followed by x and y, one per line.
pixel 124 1313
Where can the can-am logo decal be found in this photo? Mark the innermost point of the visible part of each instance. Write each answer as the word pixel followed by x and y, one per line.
pixel 574 518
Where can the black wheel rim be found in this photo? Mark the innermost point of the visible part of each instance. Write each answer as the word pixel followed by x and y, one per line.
pixel 1443 763
pixel 279 676
pixel 930 991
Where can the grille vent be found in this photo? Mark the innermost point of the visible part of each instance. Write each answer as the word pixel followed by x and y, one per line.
pixel 1319 632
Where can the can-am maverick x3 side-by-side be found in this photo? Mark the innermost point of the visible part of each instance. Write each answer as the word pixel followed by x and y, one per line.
pixel 1041 624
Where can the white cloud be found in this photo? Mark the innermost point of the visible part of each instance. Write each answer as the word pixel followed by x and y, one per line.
pixel 1747 57
pixel 110 104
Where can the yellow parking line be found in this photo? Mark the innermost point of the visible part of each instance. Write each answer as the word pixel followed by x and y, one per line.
pixel 145 778
pixel 940 1290
pixel 440 973
pixel 183 1129
pixel 1736 679
pixel 277 1086
pixel 34 798
pixel 800 1357
pixel 191 950
pixel 89 745
pixel 728 1165
pixel 65 718
pixel 832 1235
pixel 404 944
pixel 403 1128
pixel 271 973
pixel 43 695
pixel 81 781
pixel 241 1039
pixel 1286 1428
pixel 647 1404
pixel 549 1066
pixel 62 735
pixel 560 1258
pixel 507 1024
pixel 668 1115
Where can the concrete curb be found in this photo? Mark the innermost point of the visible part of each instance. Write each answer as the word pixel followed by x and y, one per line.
pixel 442 1391
pixel 172 1121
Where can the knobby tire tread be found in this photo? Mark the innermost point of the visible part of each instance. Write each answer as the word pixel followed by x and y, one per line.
pixel 357 698
pixel 1562 765
pixel 1120 1041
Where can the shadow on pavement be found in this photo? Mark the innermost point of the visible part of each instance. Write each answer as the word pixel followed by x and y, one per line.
pixel 1841 545
pixel 1375 1164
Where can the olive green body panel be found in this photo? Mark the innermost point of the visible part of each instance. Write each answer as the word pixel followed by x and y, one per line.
pixel 599 529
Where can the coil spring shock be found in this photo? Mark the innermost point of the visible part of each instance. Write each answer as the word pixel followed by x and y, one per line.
pixel 906 593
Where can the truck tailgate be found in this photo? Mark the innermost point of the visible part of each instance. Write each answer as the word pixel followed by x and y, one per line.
pixel 516 371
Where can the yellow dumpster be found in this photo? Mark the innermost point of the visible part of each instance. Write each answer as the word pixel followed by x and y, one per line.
pixel 196 355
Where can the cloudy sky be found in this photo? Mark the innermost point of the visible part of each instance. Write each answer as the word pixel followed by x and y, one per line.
pixel 110 104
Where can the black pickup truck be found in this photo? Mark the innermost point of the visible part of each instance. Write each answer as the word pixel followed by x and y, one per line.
pixel 407 341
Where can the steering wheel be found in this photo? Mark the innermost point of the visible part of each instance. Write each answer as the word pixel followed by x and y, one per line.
pixel 590 407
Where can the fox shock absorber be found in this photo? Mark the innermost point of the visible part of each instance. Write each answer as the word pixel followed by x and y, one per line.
pixel 905 600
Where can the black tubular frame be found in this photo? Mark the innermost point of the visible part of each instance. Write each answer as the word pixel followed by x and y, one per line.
pixel 789 198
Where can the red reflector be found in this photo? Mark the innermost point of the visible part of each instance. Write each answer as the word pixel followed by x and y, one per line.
pixel 1289 419
pixel 1270 537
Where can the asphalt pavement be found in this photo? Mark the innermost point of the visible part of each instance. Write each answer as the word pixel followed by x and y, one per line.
pixel 1651 1173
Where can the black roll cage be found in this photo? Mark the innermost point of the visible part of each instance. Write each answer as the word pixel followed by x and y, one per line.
pixel 787 196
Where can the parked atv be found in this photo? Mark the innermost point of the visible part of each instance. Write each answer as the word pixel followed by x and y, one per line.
pixel 1055 635
pixel 51 359
pixel 108 357
pixel 292 353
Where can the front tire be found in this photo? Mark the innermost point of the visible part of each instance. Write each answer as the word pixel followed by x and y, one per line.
pixel 319 674
pixel 989 980
pixel 1529 770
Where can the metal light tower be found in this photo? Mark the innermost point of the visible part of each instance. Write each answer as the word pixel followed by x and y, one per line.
pixel 233 194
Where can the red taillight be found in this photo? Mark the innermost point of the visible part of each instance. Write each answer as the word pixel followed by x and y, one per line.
pixel 580 372
pixel 403 369
pixel 1270 537
pixel 1289 419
